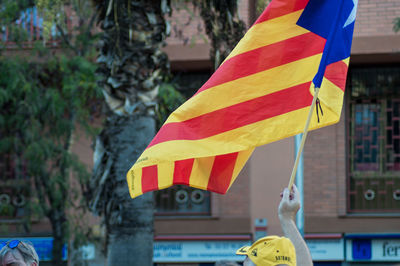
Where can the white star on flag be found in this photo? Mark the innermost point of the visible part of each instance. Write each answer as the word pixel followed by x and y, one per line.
pixel 352 16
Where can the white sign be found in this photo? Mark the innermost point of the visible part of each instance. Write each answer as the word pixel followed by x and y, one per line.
pixel 326 249
pixel 88 252
pixel 373 250
pixel 197 251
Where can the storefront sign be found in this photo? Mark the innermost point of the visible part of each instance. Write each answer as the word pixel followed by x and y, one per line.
pixel 197 251
pixel 326 249
pixel 373 249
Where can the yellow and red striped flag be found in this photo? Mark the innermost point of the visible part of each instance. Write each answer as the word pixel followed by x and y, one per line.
pixel 261 93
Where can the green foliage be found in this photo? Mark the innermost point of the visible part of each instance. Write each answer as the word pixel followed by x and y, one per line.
pixel 41 104
pixel 10 10
pixel 222 25
pixel 51 12
pixel 260 6
pixel 169 98
pixel 44 97
pixel 6 209
pixel 396 26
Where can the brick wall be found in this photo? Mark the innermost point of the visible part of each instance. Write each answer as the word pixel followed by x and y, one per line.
pixel 375 17
pixel 325 151
pixel 320 172
pixel 325 171
pixel 236 202
pixel 244 11
pixel 188 28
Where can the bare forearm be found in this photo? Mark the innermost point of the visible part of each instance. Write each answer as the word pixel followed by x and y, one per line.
pixel 289 229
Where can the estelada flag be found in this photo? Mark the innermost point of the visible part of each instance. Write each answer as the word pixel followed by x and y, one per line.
pixel 261 93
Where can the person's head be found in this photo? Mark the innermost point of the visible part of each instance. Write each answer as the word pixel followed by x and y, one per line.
pixel 269 251
pixel 18 253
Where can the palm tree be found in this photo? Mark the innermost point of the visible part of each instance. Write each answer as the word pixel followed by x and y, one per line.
pixel 223 26
pixel 132 67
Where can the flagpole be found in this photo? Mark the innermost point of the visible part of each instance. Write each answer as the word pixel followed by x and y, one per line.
pixel 299 181
pixel 317 81
pixel 303 139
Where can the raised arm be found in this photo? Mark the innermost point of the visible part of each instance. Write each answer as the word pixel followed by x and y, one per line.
pixel 287 210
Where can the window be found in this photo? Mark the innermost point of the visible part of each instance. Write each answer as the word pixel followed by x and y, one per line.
pixel 374 140
pixel 182 200
pixel 14 189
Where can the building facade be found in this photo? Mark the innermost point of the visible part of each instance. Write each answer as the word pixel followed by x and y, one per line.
pixel 351 170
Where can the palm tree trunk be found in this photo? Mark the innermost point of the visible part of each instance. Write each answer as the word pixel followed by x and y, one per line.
pixel 223 26
pixel 129 222
pixel 131 67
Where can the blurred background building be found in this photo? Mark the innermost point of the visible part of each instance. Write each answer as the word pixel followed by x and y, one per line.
pixel 351 170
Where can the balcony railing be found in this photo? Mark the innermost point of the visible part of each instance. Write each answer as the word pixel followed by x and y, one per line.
pixel 28 29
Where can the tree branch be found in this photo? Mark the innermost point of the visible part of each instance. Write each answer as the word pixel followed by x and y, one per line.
pixel 66 39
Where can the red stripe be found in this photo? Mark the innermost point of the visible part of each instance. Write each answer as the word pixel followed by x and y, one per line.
pixel 237 115
pixel 336 73
pixel 182 171
pixel 149 178
pixel 279 8
pixel 266 57
pixel 221 173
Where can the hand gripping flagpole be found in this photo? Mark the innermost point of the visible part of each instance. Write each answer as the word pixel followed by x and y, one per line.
pixel 303 139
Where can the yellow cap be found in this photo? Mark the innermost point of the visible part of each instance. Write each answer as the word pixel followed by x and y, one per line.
pixel 270 251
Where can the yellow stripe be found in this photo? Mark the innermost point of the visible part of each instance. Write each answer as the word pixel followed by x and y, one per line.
pixel 134 177
pixel 269 32
pixel 165 174
pixel 129 180
pixel 247 88
pixel 241 160
pixel 331 95
pixel 259 133
pixel 201 172
pixel 239 139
